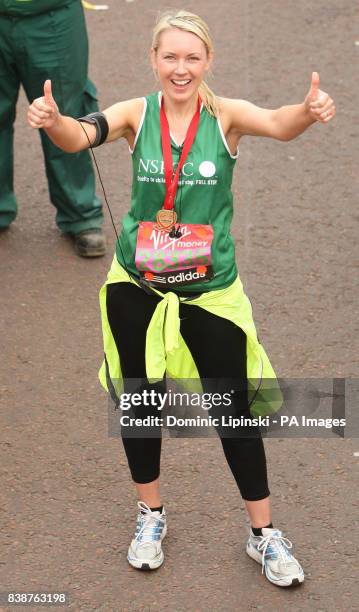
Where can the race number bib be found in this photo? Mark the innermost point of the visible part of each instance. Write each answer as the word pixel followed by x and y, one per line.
pixel 172 262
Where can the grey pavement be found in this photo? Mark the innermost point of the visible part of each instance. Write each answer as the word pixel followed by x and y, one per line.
pixel 67 504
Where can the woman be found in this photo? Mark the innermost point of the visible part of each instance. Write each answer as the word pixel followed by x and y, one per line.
pixel 166 310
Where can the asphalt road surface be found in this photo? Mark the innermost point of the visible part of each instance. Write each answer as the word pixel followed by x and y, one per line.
pixel 68 508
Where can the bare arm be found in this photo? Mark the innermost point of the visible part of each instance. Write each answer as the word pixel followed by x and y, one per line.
pixel 67 133
pixel 284 123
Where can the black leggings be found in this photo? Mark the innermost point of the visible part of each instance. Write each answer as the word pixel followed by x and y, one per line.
pixel 219 350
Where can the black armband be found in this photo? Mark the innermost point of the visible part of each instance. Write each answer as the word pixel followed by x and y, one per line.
pixel 100 122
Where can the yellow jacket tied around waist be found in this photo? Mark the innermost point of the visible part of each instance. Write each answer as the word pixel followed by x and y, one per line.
pixel 167 353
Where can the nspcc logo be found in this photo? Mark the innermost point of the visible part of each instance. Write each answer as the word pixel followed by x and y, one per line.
pixel 156 166
pixel 206 169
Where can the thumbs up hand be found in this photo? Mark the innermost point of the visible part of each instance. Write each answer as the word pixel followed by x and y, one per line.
pixel 49 100
pixel 43 112
pixel 318 103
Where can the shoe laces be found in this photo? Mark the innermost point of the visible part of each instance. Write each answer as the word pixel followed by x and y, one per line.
pixel 275 543
pixel 150 522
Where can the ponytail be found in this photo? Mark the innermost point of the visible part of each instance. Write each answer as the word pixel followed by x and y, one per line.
pixel 209 99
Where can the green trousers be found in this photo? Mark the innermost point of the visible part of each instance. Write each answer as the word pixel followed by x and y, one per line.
pixel 52 46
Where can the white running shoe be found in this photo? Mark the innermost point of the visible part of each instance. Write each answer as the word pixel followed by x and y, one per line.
pixel 272 551
pixel 145 550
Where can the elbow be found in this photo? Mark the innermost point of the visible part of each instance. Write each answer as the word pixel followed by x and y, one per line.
pixel 278 133
pixel 285 137
pixel 280 130
pixel 69 149
pixel 66 149
pixel 282 135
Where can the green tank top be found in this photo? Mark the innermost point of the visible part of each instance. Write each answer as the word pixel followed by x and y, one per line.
pixel 203 195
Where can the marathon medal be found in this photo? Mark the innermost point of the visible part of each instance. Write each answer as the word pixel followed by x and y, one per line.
pixel 166 219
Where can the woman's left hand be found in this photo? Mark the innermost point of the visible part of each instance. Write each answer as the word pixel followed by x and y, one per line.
pixel 318 103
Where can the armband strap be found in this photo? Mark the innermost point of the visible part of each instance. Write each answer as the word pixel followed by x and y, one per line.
pixel 100 122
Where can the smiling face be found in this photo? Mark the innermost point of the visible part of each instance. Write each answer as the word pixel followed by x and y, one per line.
pixel 181 62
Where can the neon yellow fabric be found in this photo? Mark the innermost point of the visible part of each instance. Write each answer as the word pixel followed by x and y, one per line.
pixel 168 354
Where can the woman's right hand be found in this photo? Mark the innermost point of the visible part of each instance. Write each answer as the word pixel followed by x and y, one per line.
pixel 44 112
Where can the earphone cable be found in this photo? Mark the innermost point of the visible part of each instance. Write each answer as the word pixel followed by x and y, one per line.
pixel 105 196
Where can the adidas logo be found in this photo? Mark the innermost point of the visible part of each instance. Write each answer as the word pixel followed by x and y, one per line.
pixel 185 276
pixel 178 278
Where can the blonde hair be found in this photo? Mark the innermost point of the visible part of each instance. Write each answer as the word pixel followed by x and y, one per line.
pixel 189 22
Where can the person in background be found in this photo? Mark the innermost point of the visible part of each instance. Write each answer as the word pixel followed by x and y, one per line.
pixel 41 39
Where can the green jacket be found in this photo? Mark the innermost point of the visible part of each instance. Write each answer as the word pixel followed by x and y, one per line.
pixel 167 352
pixel 26 8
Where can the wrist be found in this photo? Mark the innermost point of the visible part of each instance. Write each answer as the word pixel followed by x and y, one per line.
pixel 56 123
pixel 307 113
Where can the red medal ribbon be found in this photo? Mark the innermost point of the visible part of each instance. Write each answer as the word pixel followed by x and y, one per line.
pixel 170 178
